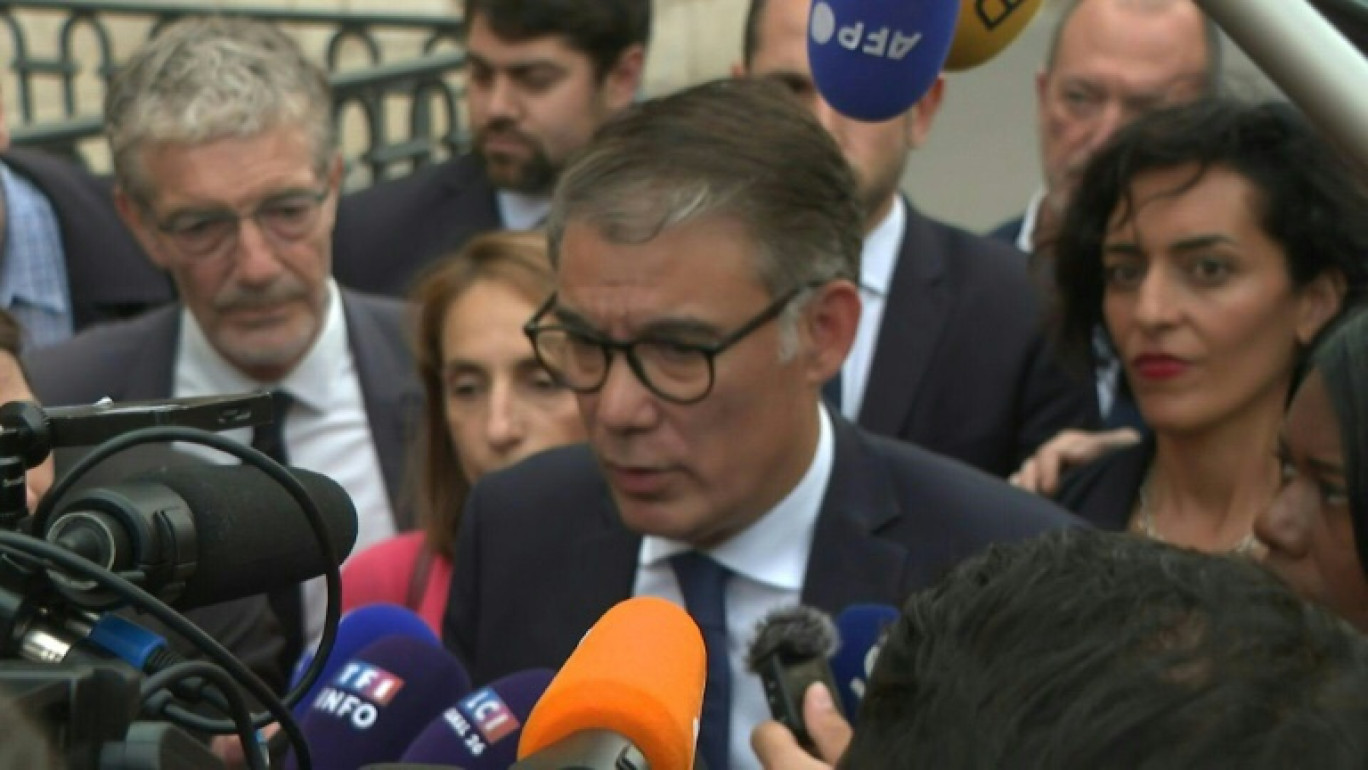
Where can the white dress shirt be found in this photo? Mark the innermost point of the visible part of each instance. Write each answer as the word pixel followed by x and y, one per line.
pixel 768 560
pixel 520 211
pixel 327 430
pixel 878 259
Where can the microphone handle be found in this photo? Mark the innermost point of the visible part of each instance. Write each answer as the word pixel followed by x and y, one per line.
pixel 1321 71
pixel 586 750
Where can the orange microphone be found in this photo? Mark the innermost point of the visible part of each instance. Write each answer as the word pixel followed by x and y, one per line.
pixel 628 697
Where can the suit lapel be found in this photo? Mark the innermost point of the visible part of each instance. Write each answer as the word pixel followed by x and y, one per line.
pixel 602 565
pixel 473 203
pixel 151 374
pixel 913 320
pixel 393 401
pixel 849 562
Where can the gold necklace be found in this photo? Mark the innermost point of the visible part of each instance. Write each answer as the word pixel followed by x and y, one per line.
pixel 1149 530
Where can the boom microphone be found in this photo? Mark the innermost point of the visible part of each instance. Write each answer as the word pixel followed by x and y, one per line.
pixel 202 534
pixel 985 28
pixel 629 696
pixel 355 631
pixel 789 654
pixel 481 730
pixel 377 703
pixel 873 59
pixel 861 628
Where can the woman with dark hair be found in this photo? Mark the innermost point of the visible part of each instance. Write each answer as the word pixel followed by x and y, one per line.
pixel 488 404
pixel 1316 530
pixel 1206 248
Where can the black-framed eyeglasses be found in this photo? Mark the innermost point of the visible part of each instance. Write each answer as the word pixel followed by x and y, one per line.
pixel 209 234
pixel 677 371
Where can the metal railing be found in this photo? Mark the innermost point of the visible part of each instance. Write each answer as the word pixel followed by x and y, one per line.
pixel 397 73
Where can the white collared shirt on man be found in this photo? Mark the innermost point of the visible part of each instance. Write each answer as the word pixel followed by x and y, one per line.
pixel 328 430
pixel 768 561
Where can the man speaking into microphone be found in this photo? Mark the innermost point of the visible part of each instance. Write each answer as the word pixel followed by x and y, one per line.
pixel 706 247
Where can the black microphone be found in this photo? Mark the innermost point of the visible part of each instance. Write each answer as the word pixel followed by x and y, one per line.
pixel 200 535
pixel 789 653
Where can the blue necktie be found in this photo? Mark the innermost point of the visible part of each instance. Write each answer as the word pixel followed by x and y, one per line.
pixel 704 585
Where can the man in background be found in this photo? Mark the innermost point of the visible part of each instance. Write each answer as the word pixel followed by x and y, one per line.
pixel 949 353
pixel 227 171
pixel 1109 61
pixel 542 76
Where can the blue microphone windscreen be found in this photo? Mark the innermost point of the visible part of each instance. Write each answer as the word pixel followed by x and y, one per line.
pixel 481 730
pixel 379 700
pixel 861 628
pixel 873 59
pixel 358 629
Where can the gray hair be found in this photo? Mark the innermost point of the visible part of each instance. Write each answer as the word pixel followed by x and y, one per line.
pixel 743 149
pixel 210 78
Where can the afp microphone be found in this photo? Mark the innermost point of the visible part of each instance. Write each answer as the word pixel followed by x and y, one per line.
pixel 377 702
pixel 986 27
pixel 873 59
pixel 199 535
pixel 631 693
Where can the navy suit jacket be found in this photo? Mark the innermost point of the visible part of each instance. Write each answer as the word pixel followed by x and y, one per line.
pixel 1105 490
pixel 962 365
pixel 387 234
pixel 135 361
pixel 1008 232
pixel 542 553
pixel 108 274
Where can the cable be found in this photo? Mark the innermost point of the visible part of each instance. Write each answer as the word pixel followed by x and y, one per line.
pixel 253 457
pixel 11 541
pixel 137 596
pixel 226 687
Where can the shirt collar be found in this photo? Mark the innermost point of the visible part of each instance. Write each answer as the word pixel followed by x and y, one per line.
pixel 774 549
pixel 880 251
pixel 310 382
pixel 1026 238
pixel 521 211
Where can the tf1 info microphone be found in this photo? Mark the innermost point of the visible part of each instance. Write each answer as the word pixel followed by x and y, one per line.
pixel 481 730
pixel 985 28
pixel 789 654
pixel 873 59
pixel 861 628
pixel 377 702
pixel 629 696
pixel 355 631
pixel 199 535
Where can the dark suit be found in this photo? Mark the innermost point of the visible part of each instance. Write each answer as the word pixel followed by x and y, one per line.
pixel 387 234
pixel 135 360
pixel 108 275
pixel 1008 232
pixel 542 553
pixel 961 365
pixel 1105 490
